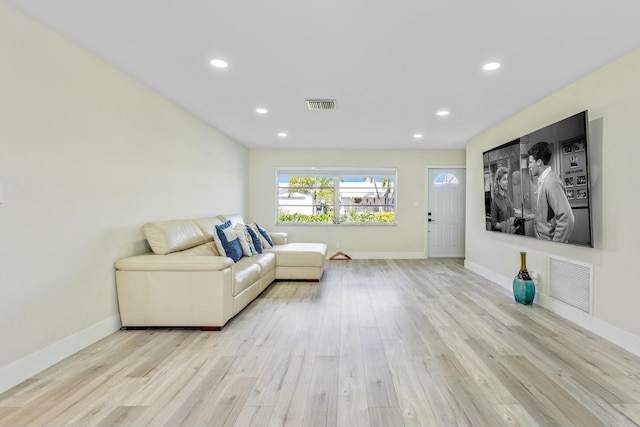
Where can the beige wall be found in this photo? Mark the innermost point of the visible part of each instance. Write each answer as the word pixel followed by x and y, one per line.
pixel 612 96
pixel 87 155
pixel 406 240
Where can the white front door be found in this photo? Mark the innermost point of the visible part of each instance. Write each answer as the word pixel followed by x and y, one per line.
pixel 446 212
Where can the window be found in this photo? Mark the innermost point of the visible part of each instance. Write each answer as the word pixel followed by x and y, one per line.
pixel 446 178
pixel 336 195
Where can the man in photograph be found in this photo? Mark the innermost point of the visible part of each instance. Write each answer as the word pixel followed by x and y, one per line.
pixel 554 218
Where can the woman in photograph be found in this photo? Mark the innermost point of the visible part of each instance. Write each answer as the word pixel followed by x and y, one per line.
pixel 502 218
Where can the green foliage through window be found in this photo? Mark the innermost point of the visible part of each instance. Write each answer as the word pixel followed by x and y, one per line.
pixel 336 196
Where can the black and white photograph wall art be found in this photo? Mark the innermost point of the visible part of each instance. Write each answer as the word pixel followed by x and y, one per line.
pixel 515 200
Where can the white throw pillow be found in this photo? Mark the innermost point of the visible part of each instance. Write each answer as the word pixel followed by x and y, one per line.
pixel 245 240
pixel 264 236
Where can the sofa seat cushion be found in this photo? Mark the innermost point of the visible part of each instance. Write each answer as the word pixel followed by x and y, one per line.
pixel 299 254
pixel 266 261
pixel 246 273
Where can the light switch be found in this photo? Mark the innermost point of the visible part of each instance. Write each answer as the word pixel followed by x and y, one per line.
pixel 416 204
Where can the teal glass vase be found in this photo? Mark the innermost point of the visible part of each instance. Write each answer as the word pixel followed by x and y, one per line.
pixel 524 290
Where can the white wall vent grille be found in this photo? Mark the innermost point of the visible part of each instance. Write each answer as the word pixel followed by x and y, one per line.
pixel 571 282
pixel 321 104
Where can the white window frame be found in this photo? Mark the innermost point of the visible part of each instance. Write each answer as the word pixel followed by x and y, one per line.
pixel 338 174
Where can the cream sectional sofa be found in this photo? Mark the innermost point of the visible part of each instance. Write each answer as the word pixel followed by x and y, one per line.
pixel 185 281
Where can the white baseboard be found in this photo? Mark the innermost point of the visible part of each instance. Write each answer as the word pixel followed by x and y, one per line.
pixel 385 255
pixel 496 278
pixel 23 369
pixel 611 333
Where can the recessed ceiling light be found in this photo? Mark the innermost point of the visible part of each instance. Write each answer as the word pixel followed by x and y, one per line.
pixel 443 113
pixel 491 66
pixel 219 63
pixel 282 134
pixel 418 136
pixel 261 110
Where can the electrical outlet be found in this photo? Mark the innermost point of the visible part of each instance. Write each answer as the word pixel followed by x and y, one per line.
pixel 337 245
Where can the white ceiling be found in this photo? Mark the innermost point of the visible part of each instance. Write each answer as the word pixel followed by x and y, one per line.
pixel 389 64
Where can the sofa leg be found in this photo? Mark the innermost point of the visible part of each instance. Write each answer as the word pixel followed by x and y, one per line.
pixel 211 328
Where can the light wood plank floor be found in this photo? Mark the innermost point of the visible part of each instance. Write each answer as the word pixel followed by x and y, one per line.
pixel 375 343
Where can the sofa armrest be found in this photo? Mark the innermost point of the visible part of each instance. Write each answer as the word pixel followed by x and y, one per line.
pixel 173 263
pixel 279 238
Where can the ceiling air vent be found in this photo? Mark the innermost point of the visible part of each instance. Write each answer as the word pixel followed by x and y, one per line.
pixel 321 104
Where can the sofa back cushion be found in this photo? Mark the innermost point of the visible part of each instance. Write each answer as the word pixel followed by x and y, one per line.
pixel 234 218
pixel 208 249
pixel 208 226
pixel 170 236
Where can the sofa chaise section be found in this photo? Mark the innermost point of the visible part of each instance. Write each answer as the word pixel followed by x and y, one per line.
pixel 299 261
pixel 294 261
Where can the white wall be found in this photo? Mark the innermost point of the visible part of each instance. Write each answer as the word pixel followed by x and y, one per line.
pixel 87 155
pixel 406 240
pixel 612 97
